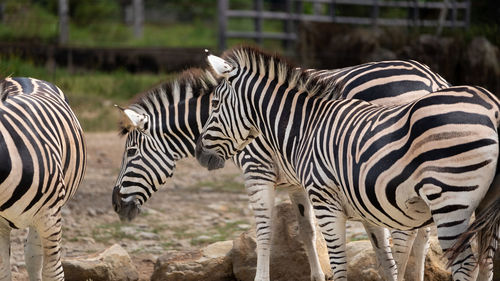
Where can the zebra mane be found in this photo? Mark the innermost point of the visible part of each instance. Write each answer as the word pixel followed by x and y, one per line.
pixel 3 93
pixel 191 83
pixel 276 67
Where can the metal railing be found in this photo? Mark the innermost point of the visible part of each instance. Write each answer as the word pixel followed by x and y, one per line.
pixel 326 11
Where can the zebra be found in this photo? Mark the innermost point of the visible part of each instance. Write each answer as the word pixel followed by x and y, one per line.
pixel 401 166
pixel 162 126
pixel 43 161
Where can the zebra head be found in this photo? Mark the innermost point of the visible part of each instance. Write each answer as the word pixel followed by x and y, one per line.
pixel 145 164
pixel 228 130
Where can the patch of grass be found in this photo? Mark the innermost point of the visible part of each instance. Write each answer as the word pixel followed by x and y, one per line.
pixel 225 184
pixel 359 238
pixel 90 94
pixel 110 231
pixel 219 233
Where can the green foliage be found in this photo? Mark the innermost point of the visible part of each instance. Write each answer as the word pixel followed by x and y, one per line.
pixel 86 12
pixel 23 21
pixel 91 95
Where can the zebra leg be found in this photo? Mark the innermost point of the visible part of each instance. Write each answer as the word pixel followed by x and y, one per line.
pixel 307 232
pixel 449 228
pixel 331 219
pixel 33 255
pixel 379 237
pixel 5 274
pixel 262 203
pixel 419 251
pixel 49 228
pixel 402 245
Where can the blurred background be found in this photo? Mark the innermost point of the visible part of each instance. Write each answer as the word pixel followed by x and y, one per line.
pixel 105 52
pixel 102 52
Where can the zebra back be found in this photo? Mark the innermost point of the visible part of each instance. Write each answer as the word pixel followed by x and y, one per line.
pixel 42 142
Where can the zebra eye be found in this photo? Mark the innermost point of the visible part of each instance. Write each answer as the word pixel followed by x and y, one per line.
pixel 215 103
pixel 131 152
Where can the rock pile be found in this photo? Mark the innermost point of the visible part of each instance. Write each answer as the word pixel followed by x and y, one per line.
pixel 113 264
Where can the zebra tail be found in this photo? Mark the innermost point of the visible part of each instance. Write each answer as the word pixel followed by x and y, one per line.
pixel 487 229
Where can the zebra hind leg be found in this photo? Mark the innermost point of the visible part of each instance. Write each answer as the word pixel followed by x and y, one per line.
pixel 307 230
pixel 5 229
pixel 49 228
pixel 402 244
pixel 379 237
pixel 449 228
pixel 419 252
pixel 33 255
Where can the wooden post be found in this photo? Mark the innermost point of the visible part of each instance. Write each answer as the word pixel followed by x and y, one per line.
pixel 467 14
pixel 331 10
pixel 288 25
pixel 63 21
pixel 258 6
pixel 138 18
pixel 442 17
pixel 453 13
pixel 375 13
pixel 222 7
pixel 416 15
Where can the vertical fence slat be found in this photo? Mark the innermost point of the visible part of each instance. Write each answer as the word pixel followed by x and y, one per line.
pixel 288 25
pixel 258 7
pixel 375 13
pixel 63 21
pixel 222 7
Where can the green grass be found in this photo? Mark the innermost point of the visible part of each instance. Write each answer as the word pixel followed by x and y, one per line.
pixel 225 184
pixel 90 94
pixel 107 232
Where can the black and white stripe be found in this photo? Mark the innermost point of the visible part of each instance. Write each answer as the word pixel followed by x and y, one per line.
pixel 43 161
pixel 400 167
pixel 176 112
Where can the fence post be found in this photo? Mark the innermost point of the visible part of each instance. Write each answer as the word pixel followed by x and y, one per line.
pixel 222 7
pixel 288 25
pixel 375 13
pixel 258 6
pixel 442 17
pixel 467 14
pixel 63 21
pixel 138 18
pixel 415 13
pixel 454 13
pixel 331 10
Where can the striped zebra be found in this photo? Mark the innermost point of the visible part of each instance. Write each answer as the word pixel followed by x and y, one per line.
pixel 43 161
pixel 401 167
pixel 162 127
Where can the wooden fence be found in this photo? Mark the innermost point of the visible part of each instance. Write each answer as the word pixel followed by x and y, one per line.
pixel 326 11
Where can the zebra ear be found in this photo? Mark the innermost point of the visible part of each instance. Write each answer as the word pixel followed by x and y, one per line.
pixel 220 66
pixel 132 118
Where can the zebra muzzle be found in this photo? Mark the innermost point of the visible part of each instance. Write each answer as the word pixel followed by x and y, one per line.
pixel 207 158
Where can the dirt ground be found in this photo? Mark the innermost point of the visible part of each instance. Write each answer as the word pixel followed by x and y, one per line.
pixel 193 209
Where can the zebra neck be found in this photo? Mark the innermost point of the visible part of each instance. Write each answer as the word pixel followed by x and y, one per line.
pixel 183 123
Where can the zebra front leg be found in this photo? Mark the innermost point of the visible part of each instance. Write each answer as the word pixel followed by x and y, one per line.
pixel 33 255
pixel 402 245
pixel 379 237
pixel 331 219
pixel 5 229
pixel 49 228
pixel 307 230
pixel 262 203
pixel 419 251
